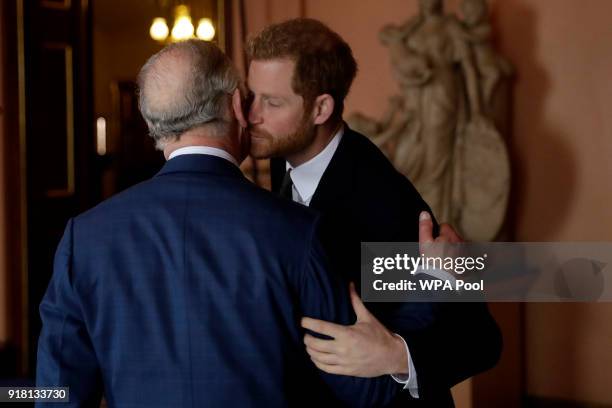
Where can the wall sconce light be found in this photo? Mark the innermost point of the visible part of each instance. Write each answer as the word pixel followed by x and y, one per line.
pixel 206 30
pixel 182 28
pixel 159 29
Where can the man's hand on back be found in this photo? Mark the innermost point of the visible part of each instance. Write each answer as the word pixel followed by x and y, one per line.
pixel 365 349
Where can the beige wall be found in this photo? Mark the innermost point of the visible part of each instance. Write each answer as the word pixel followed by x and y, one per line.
pixel 562 145
pixel 569 351
pixel 561 151
pixel 563 121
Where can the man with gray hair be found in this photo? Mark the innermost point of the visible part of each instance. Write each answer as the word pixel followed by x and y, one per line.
pixel 188 85
pixel 187 289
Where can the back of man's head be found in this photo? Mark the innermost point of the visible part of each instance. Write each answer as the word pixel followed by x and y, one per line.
pixel 185 86
pixel 324 62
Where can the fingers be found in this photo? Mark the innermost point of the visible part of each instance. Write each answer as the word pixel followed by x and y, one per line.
pixel 361 311
pixel 324 358
pixel 322 327
pixel 331 369
pixel 322 353
pixel 323 346
pixel 425 228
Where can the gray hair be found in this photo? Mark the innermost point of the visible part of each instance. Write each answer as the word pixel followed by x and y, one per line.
pixel 186 85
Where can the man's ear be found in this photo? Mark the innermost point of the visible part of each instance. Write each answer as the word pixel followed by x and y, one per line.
pixel 323 109
pixel 238 112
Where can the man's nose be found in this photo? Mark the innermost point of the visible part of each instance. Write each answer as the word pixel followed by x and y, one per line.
pixel 254 113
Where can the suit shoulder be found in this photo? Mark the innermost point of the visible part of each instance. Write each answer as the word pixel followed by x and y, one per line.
pixel 134 196
pixel 289 228
pixel 363 146
pixel 378 188
pixel 131 196
pixel 279 209
pixel 373 170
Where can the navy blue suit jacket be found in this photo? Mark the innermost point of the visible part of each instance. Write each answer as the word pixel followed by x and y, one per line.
pixel 187 291
pixel 363 198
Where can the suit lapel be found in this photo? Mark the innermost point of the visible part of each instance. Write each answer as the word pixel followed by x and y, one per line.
pixel 337 179
pixel 278 168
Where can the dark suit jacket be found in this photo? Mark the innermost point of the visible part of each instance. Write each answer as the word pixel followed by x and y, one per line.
pixel 363 198
pixel 187 291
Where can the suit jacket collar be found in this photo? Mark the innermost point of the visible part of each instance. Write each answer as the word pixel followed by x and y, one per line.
pixel 200 163
pixel 337 180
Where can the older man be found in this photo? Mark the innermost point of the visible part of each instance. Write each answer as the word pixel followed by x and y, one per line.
pixel 186 290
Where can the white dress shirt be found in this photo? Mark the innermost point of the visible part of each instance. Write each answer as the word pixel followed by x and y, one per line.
pixel 306 178
pixel 212 151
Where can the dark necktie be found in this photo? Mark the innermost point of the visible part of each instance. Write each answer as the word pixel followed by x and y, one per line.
pixel 286 189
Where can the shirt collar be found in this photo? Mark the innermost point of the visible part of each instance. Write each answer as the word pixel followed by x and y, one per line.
pixel 307 175
pixel 212 151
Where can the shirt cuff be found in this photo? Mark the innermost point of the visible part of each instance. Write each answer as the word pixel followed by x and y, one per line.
pixel 410 380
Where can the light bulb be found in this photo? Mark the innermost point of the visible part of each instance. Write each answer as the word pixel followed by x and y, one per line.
pixel 206 30
pixel 159 29
pixel 183 29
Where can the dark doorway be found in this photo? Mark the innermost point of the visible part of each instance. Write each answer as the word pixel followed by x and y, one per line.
pixel 61 166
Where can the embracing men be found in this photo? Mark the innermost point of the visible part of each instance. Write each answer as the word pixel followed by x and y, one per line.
pixel 189 289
